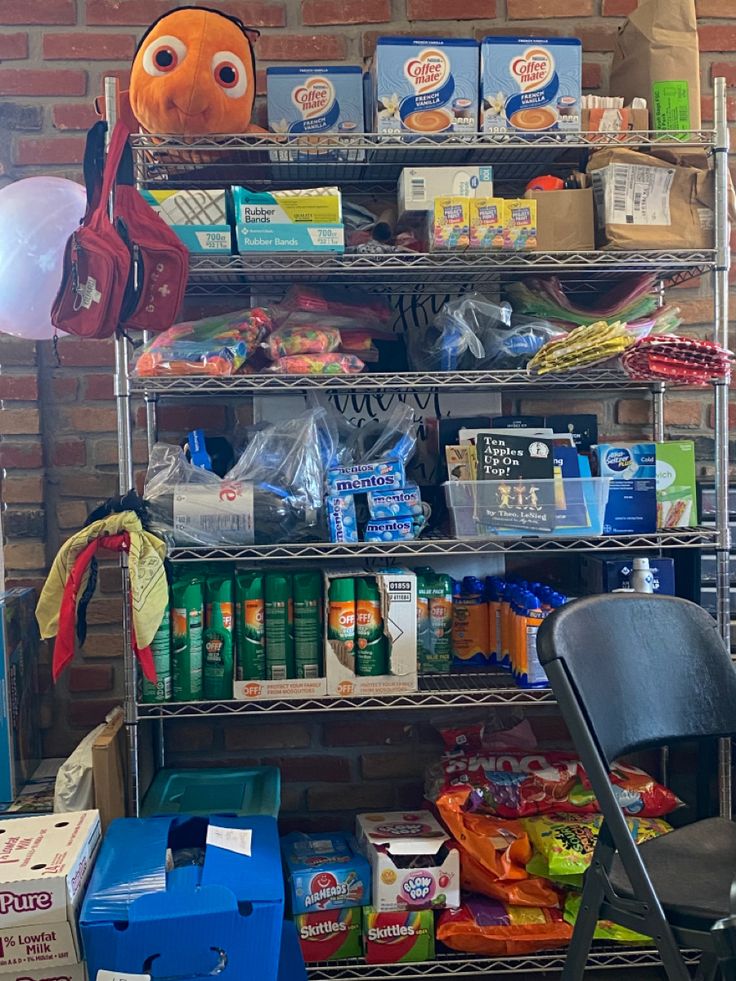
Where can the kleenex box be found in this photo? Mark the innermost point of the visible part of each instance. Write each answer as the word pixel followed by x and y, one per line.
pixel 198 216
pixel 632 500
pixel 289 221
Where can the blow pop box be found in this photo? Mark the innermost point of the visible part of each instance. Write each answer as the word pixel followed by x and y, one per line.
pixel 330 935
pixel 399 937
pixel 198 216
pixel 325 871
pixel 416 865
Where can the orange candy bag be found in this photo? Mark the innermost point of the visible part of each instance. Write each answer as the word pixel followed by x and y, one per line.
pixel 484 926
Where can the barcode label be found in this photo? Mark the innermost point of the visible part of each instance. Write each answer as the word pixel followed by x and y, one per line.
pixel 214 514
pixel 278 672
pixel 417 190
pixel 636 195
pixel 311 671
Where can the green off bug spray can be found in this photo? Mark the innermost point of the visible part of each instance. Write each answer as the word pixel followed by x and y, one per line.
pixel 218 637
pixel 434 623
pixel 307 594
pixel 187 623
pixel 279 637
pixel 161 650
pixel 250 623
pixel 341 619
pixel 371 657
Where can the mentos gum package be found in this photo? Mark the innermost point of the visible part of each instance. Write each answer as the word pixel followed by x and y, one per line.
pixel 341 518
pixel 324 871
pixel 426 85
pixel 390 529
pixel 315 100
pixel 632 496
pixel 397 938
pixel 362 477
pixel 391 503
pixel 530 85
pixel 330 935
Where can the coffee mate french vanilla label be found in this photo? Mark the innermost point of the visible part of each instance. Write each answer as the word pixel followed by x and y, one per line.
pixel 426 85
pixel 530 85
pixel 315 100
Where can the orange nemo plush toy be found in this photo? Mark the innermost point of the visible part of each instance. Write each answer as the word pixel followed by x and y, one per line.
pixel 194 73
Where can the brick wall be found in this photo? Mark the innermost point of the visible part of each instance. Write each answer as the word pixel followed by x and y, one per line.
pixel 57 424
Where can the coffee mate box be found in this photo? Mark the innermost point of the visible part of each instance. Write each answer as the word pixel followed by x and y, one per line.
pixel 330 935
pixel 425 85
pixel 315 100
pixel 45 863
pixel 530 85
pixel 399 937
pixel 416 865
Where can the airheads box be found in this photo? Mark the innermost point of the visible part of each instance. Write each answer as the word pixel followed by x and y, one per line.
pixel 530 85
pixel 330 935
pixel 425 85
pixel 315 100
pixel 399 937
pixel 416 865
pixel 325 871
pixel 632 499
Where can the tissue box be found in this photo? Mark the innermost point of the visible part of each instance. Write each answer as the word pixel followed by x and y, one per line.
pixel 198 216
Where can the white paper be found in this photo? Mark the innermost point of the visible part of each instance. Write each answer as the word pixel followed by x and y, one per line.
pixel 236 840
pixel 637 195
pixel 118 976
pixel 209 513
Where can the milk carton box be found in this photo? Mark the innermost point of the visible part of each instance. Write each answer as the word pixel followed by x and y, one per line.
pixel 315 100
pixel 530 85
pixel 426 85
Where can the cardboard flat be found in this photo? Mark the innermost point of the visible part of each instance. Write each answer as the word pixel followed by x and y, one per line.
pixel 108 770
pixel 564 220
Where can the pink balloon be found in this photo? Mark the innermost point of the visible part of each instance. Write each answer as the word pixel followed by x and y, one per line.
pixel 37 216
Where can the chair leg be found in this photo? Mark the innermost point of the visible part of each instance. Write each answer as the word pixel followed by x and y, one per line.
pixel 674 966
pixel 708 968
pixel 582 935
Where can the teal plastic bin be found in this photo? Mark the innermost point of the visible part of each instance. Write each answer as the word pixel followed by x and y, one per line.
pixel 237 791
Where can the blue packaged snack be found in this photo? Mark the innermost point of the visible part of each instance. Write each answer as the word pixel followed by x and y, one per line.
pixel 362 477
pixel 390 529
pixel 406 500
pixel 325 871
pixel 341 518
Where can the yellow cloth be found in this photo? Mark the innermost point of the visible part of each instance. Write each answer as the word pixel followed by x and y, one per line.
pixel 148 587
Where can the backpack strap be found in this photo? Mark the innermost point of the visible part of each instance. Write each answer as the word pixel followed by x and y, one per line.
pixel 115 150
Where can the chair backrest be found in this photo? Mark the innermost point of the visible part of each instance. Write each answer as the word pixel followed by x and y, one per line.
pixel 644 670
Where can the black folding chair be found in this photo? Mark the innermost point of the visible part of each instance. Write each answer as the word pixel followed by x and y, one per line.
pixel 636 671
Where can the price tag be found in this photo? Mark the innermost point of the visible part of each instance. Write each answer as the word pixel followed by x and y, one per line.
pixel 236 840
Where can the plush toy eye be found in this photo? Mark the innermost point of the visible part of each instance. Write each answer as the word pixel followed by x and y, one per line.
pixel 163 55
pixel 229 73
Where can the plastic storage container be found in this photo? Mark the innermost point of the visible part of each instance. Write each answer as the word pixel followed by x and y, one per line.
pixel 242 792
pixel 567 507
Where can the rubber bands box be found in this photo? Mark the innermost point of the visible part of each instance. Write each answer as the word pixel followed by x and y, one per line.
pixel 325 871
pixel 198 216
pixel 416 865
pixel 193 896
pixel 289 221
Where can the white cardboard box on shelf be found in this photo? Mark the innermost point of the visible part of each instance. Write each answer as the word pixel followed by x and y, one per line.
pixel 291 688
pixel 45 863
pixel 68 972
pixel 398 592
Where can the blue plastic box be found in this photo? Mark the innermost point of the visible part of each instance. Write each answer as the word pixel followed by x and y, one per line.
pixel 325 871
pixel 186 897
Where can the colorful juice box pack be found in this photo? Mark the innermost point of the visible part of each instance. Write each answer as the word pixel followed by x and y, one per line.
pixel 399 937
pixel 342 521
pixel 324 871
pixel 486 223
pixel 530 85
pixel 315 100
pixel 330 935
pixel 519 224
pixel 425 85
pixel 450 224
pixel 632 498
pixel 392 503
pixel 362 477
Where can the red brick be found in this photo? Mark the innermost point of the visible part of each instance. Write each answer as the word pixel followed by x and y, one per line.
pixel 91 677
pixel 25 555
pixel 77 46
pixel 15 351
pixel 529 9
pixel 184 417
pixel 731 415
pixel 19 422
pixel 261 85
pixel 13 46
pixel 86 354
pixel 597 38
pixel 379 732
pixel 190 737
pixel 447 10
pixel 99 486
pixel 98 387
pixel 68 453
pixel 696 311
pixel 592 75
pixel 634 412
pixel 105 611
pixel 311 769
pixel 288 735
pixel 109 577
pixel 255 14
pixel 73 115
pixel 357 796
pixel 316 12
pixel 64 389
pixel 81 420
pixel 57 150
pixel 105 452
pixel 715 8
pixel 24 387
pixel 72 515
pixel 724 69
pixel 56 81
pixel 684 413
pixel 23 490
pixel 24 456
pixel 141 12
pixel 310 47
pixel 395 766
pixel 618 8
pixel 89 712
pixel 38 12
pixel 706 107
pixel 717 37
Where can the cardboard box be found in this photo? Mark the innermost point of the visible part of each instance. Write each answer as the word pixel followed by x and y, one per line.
pixel 398 937
pixel 67 972
pixel 223 916
pixel 486 223
pixel 603 575
pixel 615 122
pixel 632 498
pixel 324 871
pixel 37 795
pixel 291 688
pixel 108 770
pixel 419 186
pixel 289 221
pixel 198 216
pixel 565 220
pixel 394 843
pixel 450 229
pixel 20 730
pixel 677 504
pixel 45 863
pixel 398 591
pixel 330 935
pixel 313 100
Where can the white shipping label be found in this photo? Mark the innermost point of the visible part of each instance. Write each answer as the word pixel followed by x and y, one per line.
pixel 236 840
pixel 637 195
pixel 119 976
pixel 211 514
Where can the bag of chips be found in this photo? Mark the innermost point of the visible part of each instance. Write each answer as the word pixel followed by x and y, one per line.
pixel 487 927
pixel 605 929
pixel 563 846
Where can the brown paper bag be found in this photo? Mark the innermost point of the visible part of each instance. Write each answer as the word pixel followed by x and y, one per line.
pixel 656 58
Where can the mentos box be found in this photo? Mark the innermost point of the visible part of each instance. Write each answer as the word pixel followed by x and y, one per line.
pixel 390 503
pixel 426 85
pixel 341 518
pixel 325 871
pixel 361 477
pixel 529 85
pixel 632 497
pixel 330 935
pixel 415 863
pixel 315 100
pixel 398 937
pixel 399 529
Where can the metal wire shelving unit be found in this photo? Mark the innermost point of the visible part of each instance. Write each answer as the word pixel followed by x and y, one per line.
pixel 368 164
